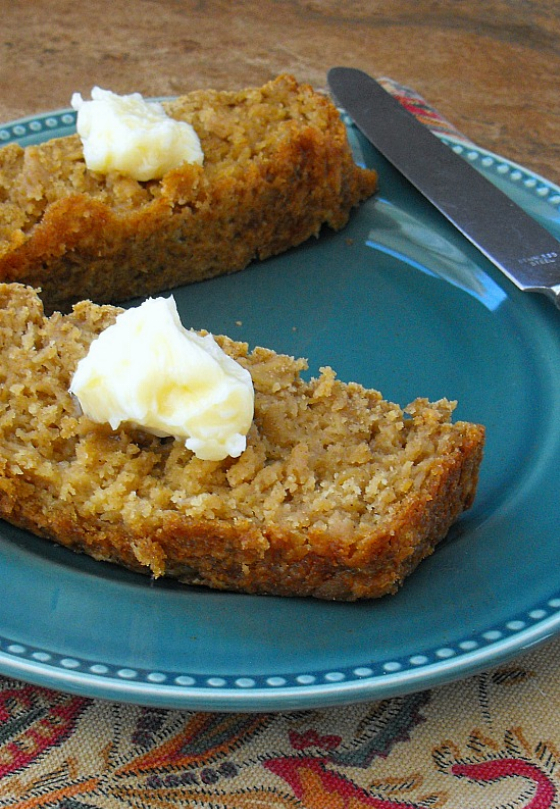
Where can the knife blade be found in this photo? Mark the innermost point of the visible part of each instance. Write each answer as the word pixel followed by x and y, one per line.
pixel 508 236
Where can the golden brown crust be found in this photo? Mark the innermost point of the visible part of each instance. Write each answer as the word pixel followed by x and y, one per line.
pixel 339 494
pixel 277 167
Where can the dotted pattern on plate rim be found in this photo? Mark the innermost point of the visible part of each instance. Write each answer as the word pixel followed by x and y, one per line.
pixel 514 174
pixel 43 124
pixel 485 640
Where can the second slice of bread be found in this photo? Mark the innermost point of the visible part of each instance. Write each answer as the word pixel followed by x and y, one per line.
pixel 277 167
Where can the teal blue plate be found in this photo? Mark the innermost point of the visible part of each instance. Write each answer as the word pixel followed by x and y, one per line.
pixel 398 301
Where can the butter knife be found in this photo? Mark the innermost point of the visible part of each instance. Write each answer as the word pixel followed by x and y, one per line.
pixel 511 239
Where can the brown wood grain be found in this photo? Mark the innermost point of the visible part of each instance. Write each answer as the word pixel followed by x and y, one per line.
pixel 491 66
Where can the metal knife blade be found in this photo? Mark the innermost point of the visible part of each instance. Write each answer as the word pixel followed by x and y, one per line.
pixel 511 239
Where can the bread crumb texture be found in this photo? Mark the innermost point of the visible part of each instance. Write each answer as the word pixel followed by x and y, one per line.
pixel 338 495
pixel 277 166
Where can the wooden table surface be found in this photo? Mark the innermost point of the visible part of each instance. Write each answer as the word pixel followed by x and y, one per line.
pixel 491 66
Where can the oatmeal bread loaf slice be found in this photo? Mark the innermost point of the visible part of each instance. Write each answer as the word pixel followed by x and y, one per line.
pixel 277 166
pixel 339 494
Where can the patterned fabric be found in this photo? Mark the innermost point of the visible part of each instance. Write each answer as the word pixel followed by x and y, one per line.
pixel 426 114
pixel 489 742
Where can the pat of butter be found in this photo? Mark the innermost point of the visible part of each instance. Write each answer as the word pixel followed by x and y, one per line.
pixel 148 370
pixel 133 136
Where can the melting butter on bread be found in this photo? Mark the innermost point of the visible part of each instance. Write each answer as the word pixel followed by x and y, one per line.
pixel 339 494
pixel 277 167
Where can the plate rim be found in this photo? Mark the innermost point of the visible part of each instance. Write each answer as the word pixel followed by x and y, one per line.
pixel 27 664
pixel 281 698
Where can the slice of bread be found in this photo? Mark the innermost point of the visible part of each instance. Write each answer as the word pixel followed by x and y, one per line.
pixel 277 166
pixel 339 493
